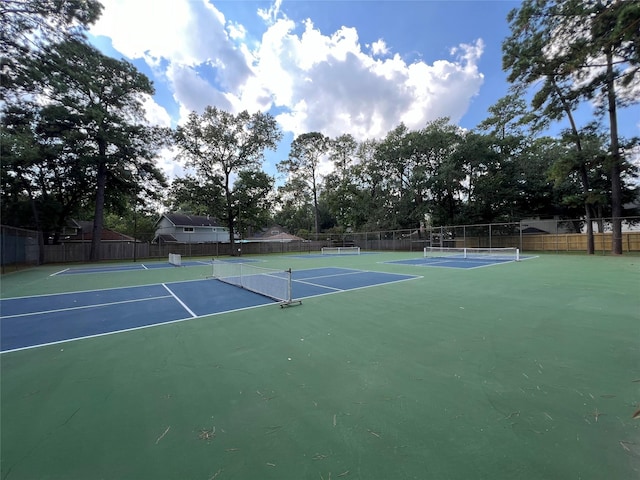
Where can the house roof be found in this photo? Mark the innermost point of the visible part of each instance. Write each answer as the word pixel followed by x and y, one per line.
pixel 86 233
pixel 533 230
pixel 184 220
pixel 282 237
pixel 165 238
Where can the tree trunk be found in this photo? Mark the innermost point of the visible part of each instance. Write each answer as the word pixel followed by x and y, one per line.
pixel 36 220
pixel 616 173
pixel 591 248
pixel 229 199
pixel 584 176
pixel 315 205
pixel 98 216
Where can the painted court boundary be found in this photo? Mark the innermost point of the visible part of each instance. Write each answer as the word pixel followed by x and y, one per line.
pixel 320 283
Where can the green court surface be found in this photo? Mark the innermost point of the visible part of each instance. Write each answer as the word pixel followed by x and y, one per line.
pixel 527 370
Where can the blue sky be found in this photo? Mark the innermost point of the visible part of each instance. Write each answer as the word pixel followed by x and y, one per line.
pixel 358 67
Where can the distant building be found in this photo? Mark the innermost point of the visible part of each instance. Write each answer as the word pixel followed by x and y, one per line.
pixel 82 231
pixel 182 228
pixel 542 226
pixel 274 233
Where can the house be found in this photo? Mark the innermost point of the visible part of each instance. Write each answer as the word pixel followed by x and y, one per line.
pixel 274 233
pixel 82 231
pixel 183 228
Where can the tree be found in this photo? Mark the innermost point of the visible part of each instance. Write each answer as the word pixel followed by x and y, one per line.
pixel 30 25
pixel 614 35
pixel 582 50
pixel 440 174
pixel 529 58
pixel 307 150
pixel 339 190
pixel 194 195
pixel 253 200
pixel 98 101
pixel 41 170
pixel 218 143
pixel 295 207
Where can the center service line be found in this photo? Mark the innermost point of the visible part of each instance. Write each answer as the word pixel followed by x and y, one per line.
pixel 180 301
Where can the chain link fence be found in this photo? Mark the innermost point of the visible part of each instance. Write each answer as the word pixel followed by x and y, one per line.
pixel 21 247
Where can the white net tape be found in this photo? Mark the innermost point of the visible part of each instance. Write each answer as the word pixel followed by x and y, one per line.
pixel 340 250
pixel 506 253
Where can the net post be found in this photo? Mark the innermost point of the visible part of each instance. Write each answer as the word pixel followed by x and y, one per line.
pixel 517 254
pixel 290 302
pixel 465 252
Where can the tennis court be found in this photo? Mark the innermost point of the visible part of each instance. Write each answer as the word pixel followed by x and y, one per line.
pixel 525 370
pixel 140 266
pixel 463 257
pixel 40 320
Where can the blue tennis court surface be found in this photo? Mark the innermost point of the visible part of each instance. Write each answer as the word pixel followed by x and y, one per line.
pixel 143 266
pixel 27 322
pixel 328 255
pixel 452 262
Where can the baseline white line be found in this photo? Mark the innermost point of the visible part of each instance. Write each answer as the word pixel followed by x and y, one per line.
pixel 133 329
pixel 332 275
pixel 30 347
pixel 413 277
pixel 318 285
pixel 61 271
pixel 98 290
pixel 82 306
pixel 180 301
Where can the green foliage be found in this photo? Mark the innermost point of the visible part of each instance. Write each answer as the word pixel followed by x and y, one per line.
pixel 253 194
pixel 193 195
pixel 84 150
pixel 30 25
pixel 307 150
pixel 218 144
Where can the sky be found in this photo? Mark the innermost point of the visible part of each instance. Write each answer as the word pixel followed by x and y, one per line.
pixel 332 66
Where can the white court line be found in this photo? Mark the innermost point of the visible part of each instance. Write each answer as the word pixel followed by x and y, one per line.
pixel 318 285
pixel 144 266
pixel 61 271
pixel 329 276
pixel 221 314
pixel 133 329
pixel 413 277
pixel 69 309
pixel 99 289
pixel 180 301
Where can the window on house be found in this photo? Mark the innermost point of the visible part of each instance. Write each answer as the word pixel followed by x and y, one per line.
pixel 187 229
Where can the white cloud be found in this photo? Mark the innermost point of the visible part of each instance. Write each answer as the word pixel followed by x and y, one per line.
pixel 379 48
pixel 156 114
pixel 328 84
pixel 271 14
pixel 317 81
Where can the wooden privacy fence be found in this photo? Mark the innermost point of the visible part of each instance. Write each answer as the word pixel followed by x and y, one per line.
pixel 553 242
pixel 21 247
pixel 560 242
pixel 126 250
pixel 577 242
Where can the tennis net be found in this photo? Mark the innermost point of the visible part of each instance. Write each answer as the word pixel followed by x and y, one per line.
pixel 340 250
pixel 493 254
pixel 275 284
